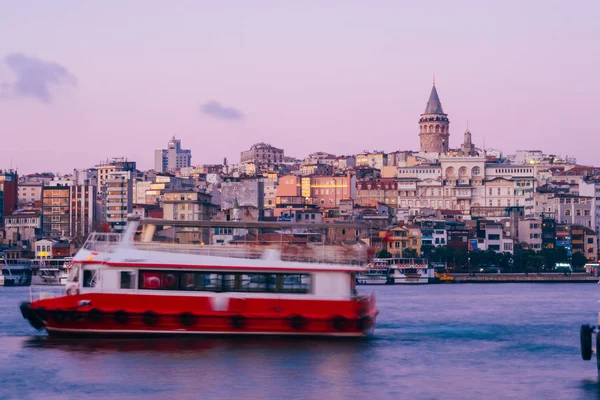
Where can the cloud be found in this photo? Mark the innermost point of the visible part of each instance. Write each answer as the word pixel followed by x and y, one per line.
pixel 34 77
pixel 217 110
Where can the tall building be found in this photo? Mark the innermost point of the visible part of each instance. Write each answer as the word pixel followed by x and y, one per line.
pixel 56 219
pixel 434 126
pixel 82 212
pixel 119 199
pixel 9 186
pixel 115 164
pixel 68 210
pixel 173 157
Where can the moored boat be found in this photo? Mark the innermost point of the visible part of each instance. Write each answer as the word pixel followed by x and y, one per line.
pixel 118 287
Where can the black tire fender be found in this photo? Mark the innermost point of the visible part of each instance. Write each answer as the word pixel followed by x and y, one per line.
pixel 339 323
pixel 150 318
pixel 585 337
pixel 121 317
pixel 238 321
pixel 188 319
pixel 298 322
pixel 365 323
pixel 96 315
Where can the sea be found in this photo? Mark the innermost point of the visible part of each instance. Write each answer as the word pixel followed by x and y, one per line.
pixel 469 341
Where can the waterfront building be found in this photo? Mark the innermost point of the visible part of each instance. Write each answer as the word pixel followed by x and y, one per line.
pixel 530 233
pixel 590 238
pixel 119 199
pixel 172 158
pixel 401 238
pixel 264 156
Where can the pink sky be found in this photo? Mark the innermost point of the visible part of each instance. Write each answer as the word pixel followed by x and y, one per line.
pixel 83 82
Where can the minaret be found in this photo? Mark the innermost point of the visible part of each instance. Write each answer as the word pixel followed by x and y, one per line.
pixel 434 125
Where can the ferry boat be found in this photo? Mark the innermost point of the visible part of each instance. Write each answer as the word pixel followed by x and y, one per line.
pixel 52 271
pixel 118 286
pixel 397 271
pixel 15 274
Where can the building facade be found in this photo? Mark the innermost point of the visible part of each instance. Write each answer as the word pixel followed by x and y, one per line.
pixel 172 158
pixel 119 199
pixel 263 156
pixel 56 211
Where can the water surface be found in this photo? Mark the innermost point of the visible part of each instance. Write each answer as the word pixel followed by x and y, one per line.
pixel 494 341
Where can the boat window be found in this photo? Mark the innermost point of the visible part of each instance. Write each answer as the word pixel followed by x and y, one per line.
pixel 127 280
pixel 225 282
pixel 168 280
pixel 90 277
pixel 299 283
pixel 200 281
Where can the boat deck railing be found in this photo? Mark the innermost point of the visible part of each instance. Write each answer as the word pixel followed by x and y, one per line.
pixel 308 253
pixel 292 253
pixel 45 292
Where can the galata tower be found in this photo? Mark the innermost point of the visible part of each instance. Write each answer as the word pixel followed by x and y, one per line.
pixel 434 126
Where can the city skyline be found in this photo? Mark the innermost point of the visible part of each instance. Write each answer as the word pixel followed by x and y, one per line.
pixel 340 78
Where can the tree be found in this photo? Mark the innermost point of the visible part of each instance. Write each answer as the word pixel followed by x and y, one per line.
pixel 383 254
pixel 578 260
pixel 409 253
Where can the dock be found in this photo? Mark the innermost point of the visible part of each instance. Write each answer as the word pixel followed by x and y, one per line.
pixel 525 278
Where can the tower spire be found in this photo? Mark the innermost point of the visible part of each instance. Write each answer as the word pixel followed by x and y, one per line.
pixel 434 79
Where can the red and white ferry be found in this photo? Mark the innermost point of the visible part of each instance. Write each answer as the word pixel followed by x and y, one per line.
pixel 121 287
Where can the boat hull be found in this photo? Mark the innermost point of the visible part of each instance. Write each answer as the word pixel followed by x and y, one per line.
pixel 106 315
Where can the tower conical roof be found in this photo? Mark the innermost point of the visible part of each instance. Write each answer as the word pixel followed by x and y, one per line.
pixel 434 105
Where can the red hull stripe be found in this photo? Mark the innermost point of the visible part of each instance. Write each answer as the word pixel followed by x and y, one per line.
pixel 214 267
pixel 199 332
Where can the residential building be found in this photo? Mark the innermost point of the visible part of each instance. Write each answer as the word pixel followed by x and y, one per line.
pixel 23 226
pixel 114 165
pixel 172 158
pixel 591 244
pixel 82 210
pixel 548 233
pixel 377 159
pixel 246 192
pixel 188 206
pixel 375 191
pixel 530 233
pixel 56 211
pixel 119 199
pixel 9 186
pixel 29 193
pixel 264 156
pixel 591 188
pixel 402 237
pixel 43 248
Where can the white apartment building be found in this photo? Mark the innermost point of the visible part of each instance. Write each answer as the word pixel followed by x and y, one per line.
pixel 119 199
